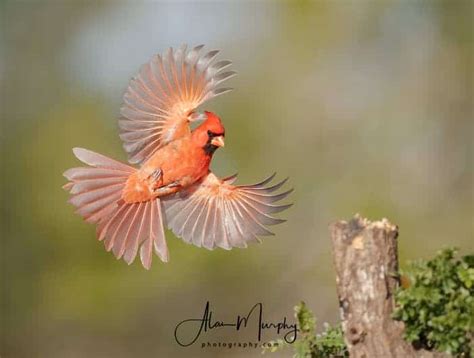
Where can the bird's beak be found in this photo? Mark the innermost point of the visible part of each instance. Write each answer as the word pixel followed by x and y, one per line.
pixel 218 141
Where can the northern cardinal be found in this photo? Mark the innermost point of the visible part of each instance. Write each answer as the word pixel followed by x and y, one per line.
pixel 173 185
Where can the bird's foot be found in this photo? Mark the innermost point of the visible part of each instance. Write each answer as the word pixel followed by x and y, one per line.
pixel 167 189
pixel 155 175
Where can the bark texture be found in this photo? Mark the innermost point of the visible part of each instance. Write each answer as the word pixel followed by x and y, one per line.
pixel 366 262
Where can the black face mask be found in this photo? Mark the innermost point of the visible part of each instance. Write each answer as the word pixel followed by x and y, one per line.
pixel 210 148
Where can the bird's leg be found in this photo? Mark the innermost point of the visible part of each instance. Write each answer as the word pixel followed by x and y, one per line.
pixel 139 186
pixel 167 189
pixel 155 179
pixel 155 175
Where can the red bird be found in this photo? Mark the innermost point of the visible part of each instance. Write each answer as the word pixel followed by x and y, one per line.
pixel 173 185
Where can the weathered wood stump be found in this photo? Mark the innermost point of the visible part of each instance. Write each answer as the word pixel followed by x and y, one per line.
pixel 366 262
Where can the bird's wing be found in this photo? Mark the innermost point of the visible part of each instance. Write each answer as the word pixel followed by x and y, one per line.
pixel 214 213
pixel 159 100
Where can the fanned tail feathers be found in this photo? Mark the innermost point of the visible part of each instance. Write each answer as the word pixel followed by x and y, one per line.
pixel 96 192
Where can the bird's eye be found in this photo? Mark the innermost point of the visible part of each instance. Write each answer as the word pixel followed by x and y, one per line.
pixel 210 134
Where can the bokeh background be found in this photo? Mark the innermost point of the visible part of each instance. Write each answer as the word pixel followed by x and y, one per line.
pixel 367 106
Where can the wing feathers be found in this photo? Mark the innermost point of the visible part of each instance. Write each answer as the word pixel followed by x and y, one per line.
pixel 218 66
pixel 198 225
pixel 214 213
pixel 160 98
pixel 204 223
pixel 260 184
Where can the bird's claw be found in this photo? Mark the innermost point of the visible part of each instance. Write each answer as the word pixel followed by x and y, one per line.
pixel 167 189
pixel 155 175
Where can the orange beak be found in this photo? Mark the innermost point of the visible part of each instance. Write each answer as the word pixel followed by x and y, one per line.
pixel 218 141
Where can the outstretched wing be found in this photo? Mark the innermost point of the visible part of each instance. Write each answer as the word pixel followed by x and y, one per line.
pixel 161 97
pixel 214 212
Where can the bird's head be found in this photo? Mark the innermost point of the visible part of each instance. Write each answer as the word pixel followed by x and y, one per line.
pixel 210 134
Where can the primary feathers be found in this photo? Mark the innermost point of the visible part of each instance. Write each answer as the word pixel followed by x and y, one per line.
pixel 173 185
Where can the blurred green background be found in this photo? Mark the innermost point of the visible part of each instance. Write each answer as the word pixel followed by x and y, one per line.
pixel 367 106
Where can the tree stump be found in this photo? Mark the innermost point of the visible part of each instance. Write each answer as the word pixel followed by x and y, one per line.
pixel 366 261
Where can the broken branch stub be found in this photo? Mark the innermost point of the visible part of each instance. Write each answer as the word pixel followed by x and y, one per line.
pixel 366 262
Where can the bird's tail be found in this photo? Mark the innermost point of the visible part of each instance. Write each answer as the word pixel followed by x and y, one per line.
pixel 96 191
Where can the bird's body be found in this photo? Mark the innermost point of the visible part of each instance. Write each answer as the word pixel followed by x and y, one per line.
pixel 173 167
pixel 172 183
